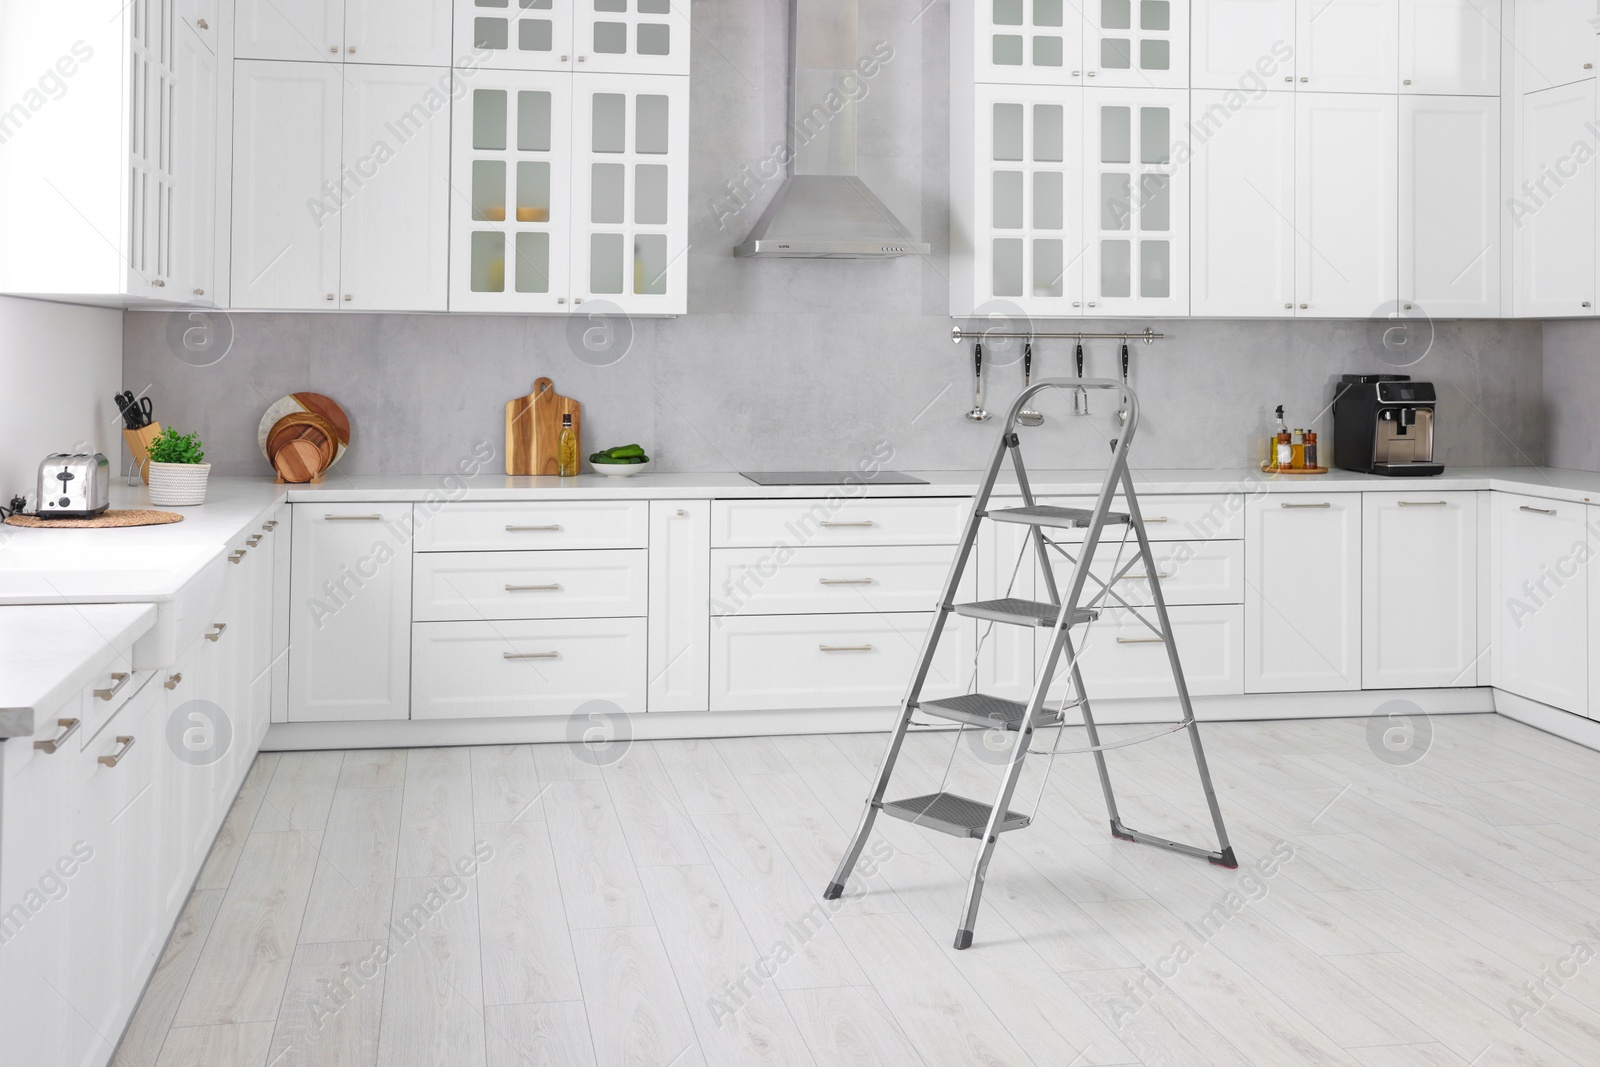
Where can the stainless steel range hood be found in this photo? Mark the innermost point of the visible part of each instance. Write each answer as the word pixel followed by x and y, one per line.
pixel 823 210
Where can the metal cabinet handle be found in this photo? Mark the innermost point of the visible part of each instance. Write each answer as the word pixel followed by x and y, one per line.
pixel 173 680
pixel 253 540
pixel 1304 78
pixel 867 522
pixel 845 648
pixel 202 23
pixel 270 525
pixel 126 743
pixel 1156 518
pixel 1163 575
pixel 1406 82
pixel 334 49
pixel 1424 503
pixel 1324 504
pixel 353 518
pixel 1288 77
pixel 682 514
pixel 236 556
pixel 550 526
pixel 845 581
pixel 1140 641
pixel 530 588
pixel 120 679
pixel 351 49
pixel 217 630
pixel 530 655
pixel 69 727
pixel 199 292
pixel 158 283
pixel 1288 307
pixel 1539 511
pixel 1304 306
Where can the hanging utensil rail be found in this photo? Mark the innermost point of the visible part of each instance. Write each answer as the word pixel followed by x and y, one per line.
pixel 1148 336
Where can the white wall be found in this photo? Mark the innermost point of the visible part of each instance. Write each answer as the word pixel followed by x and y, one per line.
pixel 59 366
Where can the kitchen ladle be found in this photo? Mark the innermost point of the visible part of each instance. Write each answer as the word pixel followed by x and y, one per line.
pixel 977 414
pixel 1027 416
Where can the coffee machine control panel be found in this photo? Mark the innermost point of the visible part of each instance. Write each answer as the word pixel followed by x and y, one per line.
pixel 1406 393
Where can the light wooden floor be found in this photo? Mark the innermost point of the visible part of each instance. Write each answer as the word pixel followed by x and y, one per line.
pixel 664 910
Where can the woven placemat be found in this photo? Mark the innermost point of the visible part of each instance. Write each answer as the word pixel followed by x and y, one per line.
pixel 104 520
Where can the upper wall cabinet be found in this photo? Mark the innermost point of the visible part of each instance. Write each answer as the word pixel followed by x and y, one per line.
pixel 1137 43
pixel 1347 260
pixel 1026 42
pixel 1450 205
pixel 1553 205
pixel 1138 219
pixel 1555 43
pixel 605 36
pixel 1450 47
pixel 1347 46
pixel 1237 43
pixel 415 32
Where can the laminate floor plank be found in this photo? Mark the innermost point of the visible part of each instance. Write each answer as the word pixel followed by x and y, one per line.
pixel 433 982
pixel 352 894
pixel 850 1028
pixel 373 768
pixel 751 755
pixel 704 783
pixel 223 857
pixel 220 1045
pixel 539 1035
pixel 654 819
pixel 436 816
pixel 505 782
pixel 147 1030
pixel 527 946
pixel 599 882
pixel 333 1006
pixel 636 1011
pixel 300 793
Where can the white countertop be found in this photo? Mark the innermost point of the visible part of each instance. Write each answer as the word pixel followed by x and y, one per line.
pixel 53 651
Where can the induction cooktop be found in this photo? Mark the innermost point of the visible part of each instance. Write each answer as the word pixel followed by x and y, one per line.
pixel 830 478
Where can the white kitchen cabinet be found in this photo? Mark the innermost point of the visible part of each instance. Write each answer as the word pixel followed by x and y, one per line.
pixel 1346 259
pixel 1021 42
pixel 280 541
pixel 484 586
pixel 1302 605
pixel 194 171
pixel 1553 204
pixel 1136 203
pixel 1137 43
pixel 397 146
pixel 303 30
pixel 537 35
pixel 1450 47
pixel 1238 44
pixel 838 521
pixel 679 624
pixel 1243 168
pixel 408 32
pixel 630 226
pixel 1121 657
pixel 287 158
pixel 470 670
pixel 1555 43
pixel 1592 515
pixel 350 629
pixel 1347 46
pixel 1449 205
pixel 1539 612
pixel 631 36
pixel 1419 583
pixel 201 15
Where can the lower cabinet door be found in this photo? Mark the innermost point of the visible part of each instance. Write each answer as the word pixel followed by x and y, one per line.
pixel 1419 582
pixel 1121 657
pixel 1539 617
pixel 474 670
pixel 1302 603
pixel 771 662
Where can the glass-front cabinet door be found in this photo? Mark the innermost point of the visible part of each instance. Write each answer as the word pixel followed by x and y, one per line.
pixel 630 36
pixel 510 206
pixel 1137 43
pixel 516 34
pixel 629 197
pixel 1028 246
pixel 1136 203
pixel 1027 42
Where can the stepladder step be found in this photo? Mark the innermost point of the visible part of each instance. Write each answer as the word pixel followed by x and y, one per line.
pixel 1058 518
pixel 1018 612
pixel 985 711
pixel 951 814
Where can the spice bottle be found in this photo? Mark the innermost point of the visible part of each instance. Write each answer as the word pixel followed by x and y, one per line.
pixel 1311 448
pixel 1297 449
pixel 567 448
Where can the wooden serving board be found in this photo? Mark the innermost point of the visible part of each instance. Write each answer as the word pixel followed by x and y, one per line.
pixel 1293 470
pixel 533 429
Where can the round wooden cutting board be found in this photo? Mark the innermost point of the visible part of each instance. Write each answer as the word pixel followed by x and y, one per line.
pixel 298 404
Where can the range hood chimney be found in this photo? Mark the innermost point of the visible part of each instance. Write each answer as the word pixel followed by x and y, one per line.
pixel 823 210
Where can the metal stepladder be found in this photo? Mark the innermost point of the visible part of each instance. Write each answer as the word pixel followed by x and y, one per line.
pixel 963 817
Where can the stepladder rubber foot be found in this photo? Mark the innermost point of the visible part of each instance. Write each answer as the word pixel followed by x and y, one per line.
pixel 963 939
pixel 1119 833
pixel 1226 859
pixel 833 892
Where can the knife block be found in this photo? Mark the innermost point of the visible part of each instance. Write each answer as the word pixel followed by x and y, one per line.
pixel 139 446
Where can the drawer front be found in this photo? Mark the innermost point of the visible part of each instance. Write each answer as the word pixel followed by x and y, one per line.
pixel 1121 658
pixel 1190 572
pixel 750 581
pixel 108 695
pixel 821 522
pixel 569 524
pixel 471 670
pixel 764 663
pixel 1169 517
pixel 466 586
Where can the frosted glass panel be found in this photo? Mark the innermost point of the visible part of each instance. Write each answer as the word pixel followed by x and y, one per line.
pixel 610 118
pixel 1047 51
pixel 650 136
pixel 1155 15
pixel 533 121
pixel 605 263
pixel 1114 202
pixel 1008 200
pixel 1008 12
pixel 1115 265
pixel 1155 55
pixel 533 192
pixel 611 38
pixel 610 5
pixel 488 190
pixel 533 262
pixel 1008 266
pixel 1008 131
pixel 1047 267
pixel 1047 136
pixel 655 39
pixel 1049 212
pixel 490 3
pixel 1116 15
pixel 1155 135
pixel 534 35
pixel 650 194
pixel 1116 53
pixel 536 5
pixel 1155 202
pixel 655 7
pixel 1155 271
pixel 1116 136
pixel 488 272
pixel 489 119
pixel 1047 12
pixel 1007 50
pixel 491 33
pixel 605 197
pixel 650 264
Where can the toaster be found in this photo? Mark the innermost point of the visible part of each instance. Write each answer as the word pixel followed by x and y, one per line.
pixel 73 485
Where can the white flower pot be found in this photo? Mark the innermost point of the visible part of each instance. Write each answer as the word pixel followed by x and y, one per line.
pixel 178 484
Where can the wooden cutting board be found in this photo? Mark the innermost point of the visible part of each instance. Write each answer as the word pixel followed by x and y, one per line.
pixel 533 429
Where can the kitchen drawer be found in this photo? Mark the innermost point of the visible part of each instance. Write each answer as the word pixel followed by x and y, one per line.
pixel 1191 572
pixel 470 670
pixel 1121 657
pixel 823 521
pixel 748 581
pixel 1167 516
pixel 771 662
pixel 467 586
pixel 518 526
pixel 108 695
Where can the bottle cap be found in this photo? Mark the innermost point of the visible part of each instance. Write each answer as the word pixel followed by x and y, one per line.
pixel 566 420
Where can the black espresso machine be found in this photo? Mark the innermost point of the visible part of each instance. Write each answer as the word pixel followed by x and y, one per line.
pixel 1383 424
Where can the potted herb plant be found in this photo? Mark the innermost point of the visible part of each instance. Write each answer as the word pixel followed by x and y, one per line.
pixel 178 470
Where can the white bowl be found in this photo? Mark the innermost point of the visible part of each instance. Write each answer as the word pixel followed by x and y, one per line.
pixel 619 470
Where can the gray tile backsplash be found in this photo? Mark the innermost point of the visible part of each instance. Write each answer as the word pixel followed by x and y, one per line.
pixel 794 363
